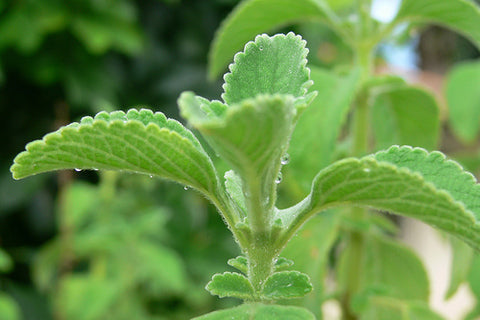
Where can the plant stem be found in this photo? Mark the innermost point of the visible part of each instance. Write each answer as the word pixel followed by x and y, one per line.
pixel 261 255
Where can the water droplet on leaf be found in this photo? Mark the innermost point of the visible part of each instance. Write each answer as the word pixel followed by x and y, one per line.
pixel 78 170
pixel 366 170
pixel 285 159
pixel 260 48
pixel 279 178
pixel 185 188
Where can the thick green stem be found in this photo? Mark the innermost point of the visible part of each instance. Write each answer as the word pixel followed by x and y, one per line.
pixel 261 258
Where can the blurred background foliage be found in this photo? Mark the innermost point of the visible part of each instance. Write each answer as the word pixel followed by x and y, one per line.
pixel 87 246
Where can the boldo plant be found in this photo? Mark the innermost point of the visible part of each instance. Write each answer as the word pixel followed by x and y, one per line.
pixel 265 93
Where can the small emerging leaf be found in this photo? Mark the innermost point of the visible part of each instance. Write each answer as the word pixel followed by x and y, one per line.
pixel 240 263
pixel 138 141
pixel 230 284
pixel 282 264
pixel 259 311
pixel 286 285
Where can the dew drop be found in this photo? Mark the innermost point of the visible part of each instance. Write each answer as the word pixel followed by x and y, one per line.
pixel 260 48
pixel 279 178
pixel 95 169
pixel 78 170
pixel 185 188
pixel 366 170
pixel 285 159
pixel 151 176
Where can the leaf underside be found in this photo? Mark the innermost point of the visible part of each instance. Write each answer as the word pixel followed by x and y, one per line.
pixel 286 285
pixel 138 141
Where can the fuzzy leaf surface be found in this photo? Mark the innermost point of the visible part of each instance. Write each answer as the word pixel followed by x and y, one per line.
pixel 240 263
pixel 286 285
pixel 253 17
pixel 268 65
pixel 406 181
pixel 233 185
pixel 259 311
pixel 460 15
pixel 251 136
pixel 138 141
pixel 230 284
pixel 463 97
pixel 407 116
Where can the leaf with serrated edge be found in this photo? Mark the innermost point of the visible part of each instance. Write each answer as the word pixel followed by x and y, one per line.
pixel 138 141
pixel 252 136
pixel 406 115
pixel 257 311
pixel 268 65
pixel 240 263
pixel 253 17
pixel 402 180
pixel 286 285
pixel 282 264
pixel 463 97
pixel 230 284
pixel 460 15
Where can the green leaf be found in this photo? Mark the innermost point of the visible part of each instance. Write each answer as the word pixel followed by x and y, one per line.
pixel 139 141
pixel 395 269
pixel 251 136
pixel 253 17
pixel 79 202
pixel 9 309
pixel 461 264
pixel 282 264
pixel 259 312
pixel 230 284
pixel 6 263
pixel 474 277
pixel 240 263
pixel 385 308
pixel 406 115
pixel 402 180
pixel 286 285
pixel 460 15
pixel 312 149
pixel 233 185
pixel 268 65
pixel 86 297
pixel 463 99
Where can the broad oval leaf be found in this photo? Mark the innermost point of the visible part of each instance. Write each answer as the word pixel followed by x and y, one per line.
pixel 138 141
pixel 463 97
pixel 231 284
pixel 286 285
pixel 460 15
pixel 406 115
pixel 257 311
pixel 253 17
pixel 268 65
pixel 402 180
